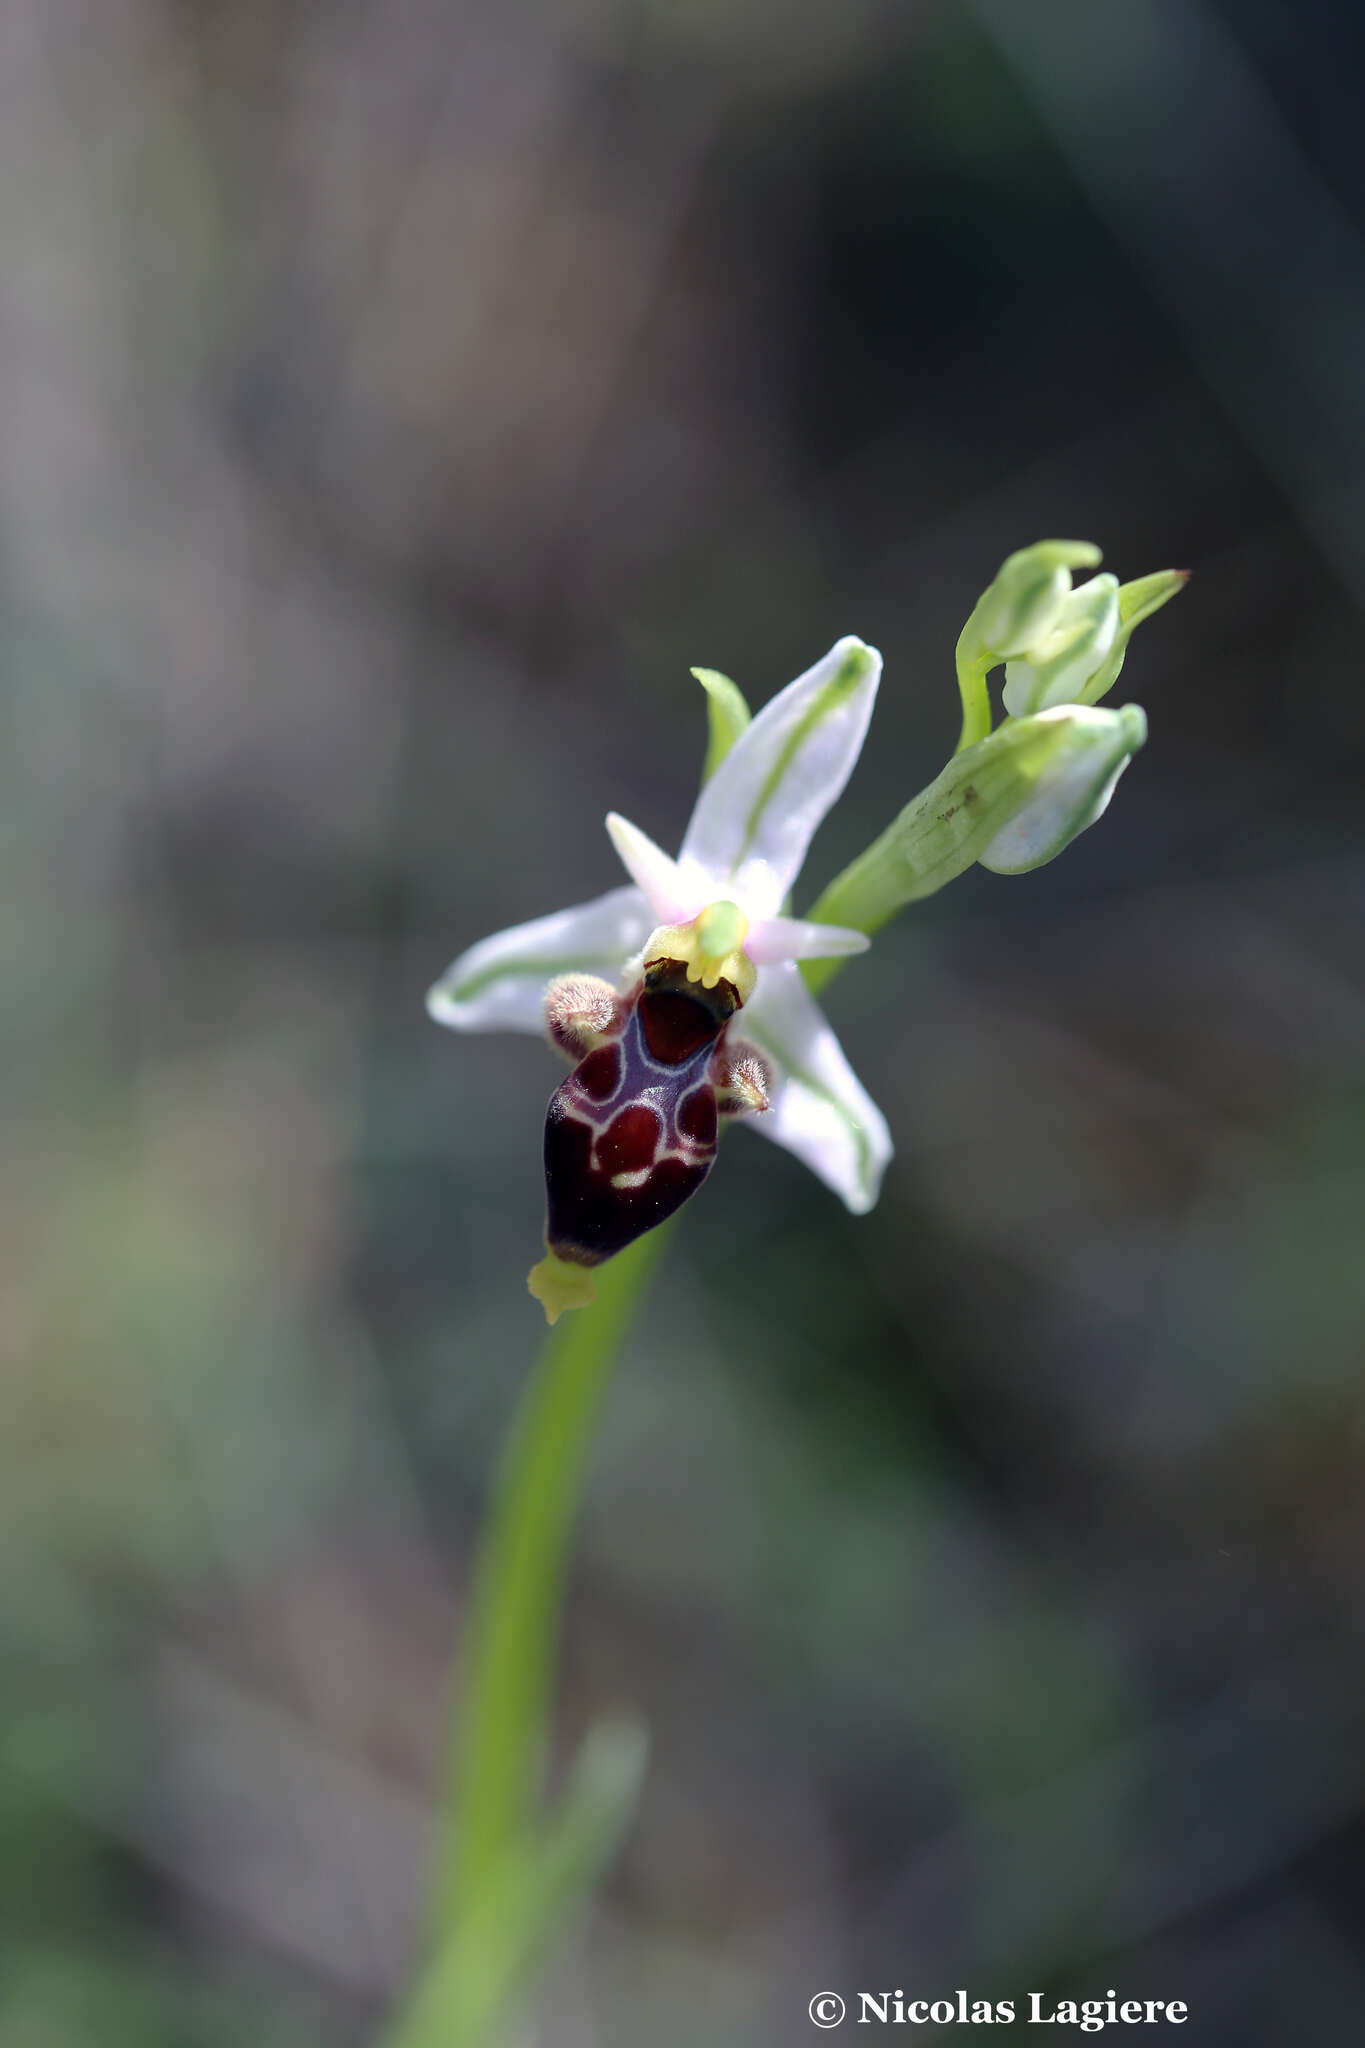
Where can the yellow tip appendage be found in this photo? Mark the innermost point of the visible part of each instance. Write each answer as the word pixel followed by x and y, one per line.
pixel 557 1285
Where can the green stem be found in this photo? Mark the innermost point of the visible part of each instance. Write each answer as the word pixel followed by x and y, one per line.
pixel 943 829
pixel 973 667
pixel 501 1715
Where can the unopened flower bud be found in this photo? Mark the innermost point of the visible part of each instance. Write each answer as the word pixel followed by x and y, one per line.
pixel 1058 667
pixel 1025 601
pixel 1092 748
pixel 947 827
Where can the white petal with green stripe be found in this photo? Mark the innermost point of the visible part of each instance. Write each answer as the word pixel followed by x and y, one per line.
pixel 758 813
pixel 820 1110
pixel 499 985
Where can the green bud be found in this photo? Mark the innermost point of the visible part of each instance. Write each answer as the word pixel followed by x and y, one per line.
pixel 1058 667
pixel 1092 750
pixel 1012 615
pixel 1023 603
pixel 949 825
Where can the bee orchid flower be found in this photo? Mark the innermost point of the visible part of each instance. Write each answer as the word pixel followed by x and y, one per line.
pixel 679 996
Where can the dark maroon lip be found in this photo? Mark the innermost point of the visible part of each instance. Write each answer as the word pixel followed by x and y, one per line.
pixel 632 1132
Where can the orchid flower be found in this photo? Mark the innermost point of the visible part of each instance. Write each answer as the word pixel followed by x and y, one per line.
pixel 648 988
pixel 697 940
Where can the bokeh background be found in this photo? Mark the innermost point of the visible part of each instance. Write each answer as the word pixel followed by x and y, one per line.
pixel 397 397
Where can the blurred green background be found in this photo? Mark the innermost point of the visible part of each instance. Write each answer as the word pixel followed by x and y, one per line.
pixel 397 398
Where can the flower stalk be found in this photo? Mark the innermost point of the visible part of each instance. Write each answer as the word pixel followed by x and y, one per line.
pixel 639 987
pixel 505 1877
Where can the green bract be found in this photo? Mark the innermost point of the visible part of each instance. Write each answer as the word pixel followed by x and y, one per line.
pixel 1137 601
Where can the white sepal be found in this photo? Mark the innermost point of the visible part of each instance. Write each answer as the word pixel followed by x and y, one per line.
pixel 758 813
pixel 820 1110
pixel 499 984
